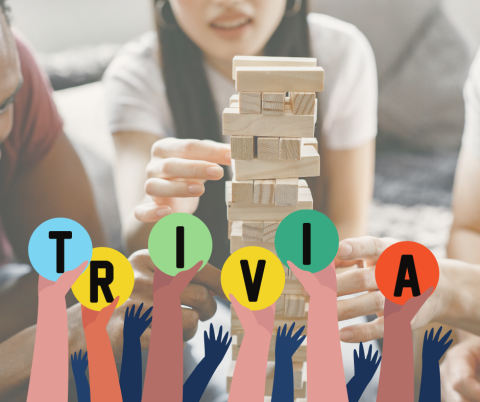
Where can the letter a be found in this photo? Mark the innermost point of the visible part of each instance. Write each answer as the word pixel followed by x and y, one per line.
pixel 253 287
pixel 407 265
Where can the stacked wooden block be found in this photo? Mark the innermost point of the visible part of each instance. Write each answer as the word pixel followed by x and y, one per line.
pixel 271 122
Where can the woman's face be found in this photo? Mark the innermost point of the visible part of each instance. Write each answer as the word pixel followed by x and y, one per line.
pixel 225 28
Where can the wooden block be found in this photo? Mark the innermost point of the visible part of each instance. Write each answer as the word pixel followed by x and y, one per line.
pixel 235 98
pixel 269 230
pixel 235 105
pixel 267 148
pixel 279 79
pixel 286 192
pixel 299 356
pixel 264 192
pixel 299 379
pixel 294 306
pixel 303 102
pixel 229 228
pixel 242 148
pixel 267 61
pixel 250 102
pixel 242 191
pixel 265 213
pixel 302 183
pixel 289 148
pixel 307 166
pixel 310 141
pixel 294 287
pixel 273 103
pixel 237 242
pixel 264 125
pixel 252 231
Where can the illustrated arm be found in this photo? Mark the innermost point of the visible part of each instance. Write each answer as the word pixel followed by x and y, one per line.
pixel 215 350
pixel 248 383
pixel 285 347
pixel 79 365
pixel 165 359
pixel 104 385
pixel 325 381
pixel 396 375
pixel 365 369
pixel 51 340
pixel 131 371
pixel 433 350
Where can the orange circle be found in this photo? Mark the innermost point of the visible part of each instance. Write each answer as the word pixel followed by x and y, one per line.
pixel 387 271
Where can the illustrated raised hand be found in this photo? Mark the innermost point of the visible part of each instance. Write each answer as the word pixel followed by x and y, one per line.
pixel 286 344
pixel 325 381
pixel 365 368
pixel 104 385
pixel 131 371
pixel 215 350
pixel 248 382
pixel 396 375
pixel 167 346
pixel 79 365
pixel 285 347
pixel 433 350
pixel 51 340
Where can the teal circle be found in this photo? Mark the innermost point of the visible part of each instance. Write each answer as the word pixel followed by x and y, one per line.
pixel 323 245
pixel 43 251
pixel 162 243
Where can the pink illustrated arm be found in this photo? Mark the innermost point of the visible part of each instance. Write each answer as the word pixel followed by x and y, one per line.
pixel 248 382
pixel 396 374
pixel 49 375
pixel 164 374
pixel 325 376
pixel 104 384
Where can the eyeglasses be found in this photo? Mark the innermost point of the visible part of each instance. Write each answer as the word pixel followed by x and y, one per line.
pixel 10 99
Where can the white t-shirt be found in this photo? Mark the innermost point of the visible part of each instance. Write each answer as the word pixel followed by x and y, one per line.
pixel 471 133
pixel 136 96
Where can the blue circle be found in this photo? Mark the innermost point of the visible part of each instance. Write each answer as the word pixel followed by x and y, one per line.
pixel 42 249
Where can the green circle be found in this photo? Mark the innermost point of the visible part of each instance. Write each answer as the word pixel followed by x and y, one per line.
pixel 162 243
pixel 289 240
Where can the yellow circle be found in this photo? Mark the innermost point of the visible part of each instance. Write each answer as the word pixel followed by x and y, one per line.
pixel 122 284
pixel 236 283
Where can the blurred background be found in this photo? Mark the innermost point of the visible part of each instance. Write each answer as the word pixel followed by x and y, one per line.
pixel 423 50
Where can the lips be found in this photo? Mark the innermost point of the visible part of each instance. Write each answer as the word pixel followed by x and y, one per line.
pixel 231 23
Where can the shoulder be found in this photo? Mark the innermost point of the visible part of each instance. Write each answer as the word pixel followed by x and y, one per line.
pixel 136 62
pixel 471 133
pixel 335 42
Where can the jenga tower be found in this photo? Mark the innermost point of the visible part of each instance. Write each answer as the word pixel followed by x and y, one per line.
pixel 276 108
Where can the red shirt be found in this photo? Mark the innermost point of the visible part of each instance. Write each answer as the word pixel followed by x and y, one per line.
pixel 36 126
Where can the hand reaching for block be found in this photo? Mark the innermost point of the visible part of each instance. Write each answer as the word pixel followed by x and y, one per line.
pixel 177 172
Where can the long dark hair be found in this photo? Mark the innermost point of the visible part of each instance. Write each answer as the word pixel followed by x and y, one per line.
pixel 192 104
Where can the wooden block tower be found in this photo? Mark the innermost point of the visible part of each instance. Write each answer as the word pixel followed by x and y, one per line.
pixel 271 122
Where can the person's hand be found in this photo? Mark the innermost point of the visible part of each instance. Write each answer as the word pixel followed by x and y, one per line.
pixel 215 349
pixel 365 366
pixel 255 322
pixel 166 287
pixel 79 363
pixel 399 315
pixel 286 345
pixel 95 321
pixel 135 325
pixel 365 251
pixel 433 348
pixel 177 172
pixel 459 372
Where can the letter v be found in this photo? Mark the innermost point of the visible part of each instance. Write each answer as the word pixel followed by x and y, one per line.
pixel 253 287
